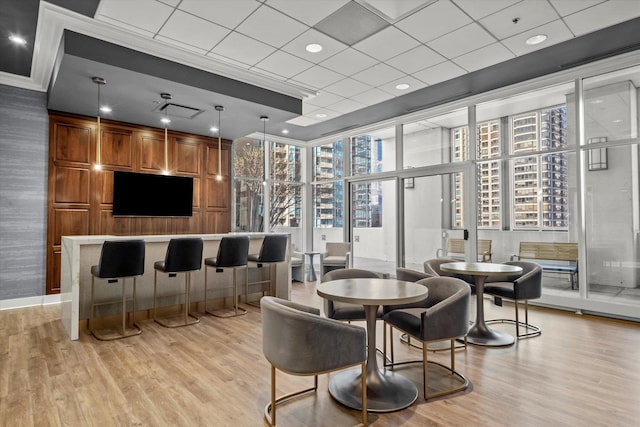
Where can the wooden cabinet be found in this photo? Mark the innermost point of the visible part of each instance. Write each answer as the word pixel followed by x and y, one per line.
pixel 80 197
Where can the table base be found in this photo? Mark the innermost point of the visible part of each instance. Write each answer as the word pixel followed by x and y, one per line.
pixel 386 391
pixel 485 336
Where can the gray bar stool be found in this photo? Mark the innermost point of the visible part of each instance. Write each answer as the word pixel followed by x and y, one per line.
pixel 119 260
pixel 184 255
pixel 233 253
pixel 272 251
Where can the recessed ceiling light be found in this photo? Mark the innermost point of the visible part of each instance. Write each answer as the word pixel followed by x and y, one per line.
pixel 403 86
pixel 285 131
pixel 165 120
pixel 313 48
pixel 105 109
pixel 321 115
pixel 537 39
pixel 17 40
pixel 213 129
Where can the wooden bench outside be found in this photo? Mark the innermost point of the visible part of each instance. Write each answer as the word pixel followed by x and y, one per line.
pixel 455 250
pixel 562 257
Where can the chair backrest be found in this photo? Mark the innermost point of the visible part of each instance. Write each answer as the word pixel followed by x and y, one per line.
pixel 432 266
pixel 184 254
pixel 121 258
pixel 411 275
pixel 349 273
pixel 337 248
pixel 447 315
pixel 233 251
pixel 529 283
pixel 274 248
pixel 296 339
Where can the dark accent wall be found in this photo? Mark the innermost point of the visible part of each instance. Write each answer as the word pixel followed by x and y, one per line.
pixel 24 138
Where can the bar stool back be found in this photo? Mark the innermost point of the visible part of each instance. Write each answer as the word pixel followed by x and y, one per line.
pixel 272 251
pixel 233 253
pixel 183 255
pixel 119 260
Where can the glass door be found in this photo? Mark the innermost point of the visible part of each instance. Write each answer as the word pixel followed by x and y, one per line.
pixel 373 206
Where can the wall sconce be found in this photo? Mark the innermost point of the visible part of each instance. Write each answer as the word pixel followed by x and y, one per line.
pixel 99 81
pixel 597 156
pixel 219 109
pixel 166 121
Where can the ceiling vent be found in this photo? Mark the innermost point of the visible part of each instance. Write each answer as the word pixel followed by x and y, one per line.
pixel 177 110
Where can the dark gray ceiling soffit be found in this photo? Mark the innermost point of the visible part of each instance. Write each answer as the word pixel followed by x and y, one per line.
pixel 18 17
pixel 611 41
pixel 83 7
pixel 100 51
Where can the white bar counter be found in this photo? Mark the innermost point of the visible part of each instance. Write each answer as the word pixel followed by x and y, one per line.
pixel 79 253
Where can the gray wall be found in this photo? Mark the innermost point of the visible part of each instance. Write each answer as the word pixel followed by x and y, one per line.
pixel 24 142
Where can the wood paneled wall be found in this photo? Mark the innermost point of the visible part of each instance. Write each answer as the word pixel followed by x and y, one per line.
pixel 80 198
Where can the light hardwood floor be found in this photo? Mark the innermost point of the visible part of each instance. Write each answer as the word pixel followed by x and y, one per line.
pixel 583 370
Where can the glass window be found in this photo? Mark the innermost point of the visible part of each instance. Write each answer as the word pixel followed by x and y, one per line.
pixel 248 158
pixel 366 204
pixel 374 152
pixel 285 162
pixel 249 196
pixel 328 161
pixel 328 205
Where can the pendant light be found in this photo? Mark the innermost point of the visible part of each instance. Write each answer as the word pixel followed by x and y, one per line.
pixel 219 109
pixel 166 121
pixel 264 119
pixel 99 81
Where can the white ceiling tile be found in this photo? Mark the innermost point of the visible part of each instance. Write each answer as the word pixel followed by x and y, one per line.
pixel 318 77
pixel 484 57
pixel 555 31
pixel 323 99
pixel 372 96
pixel 330 46
pixel 480 8
pixel 347 87
pixel 181 45
pixel 416 59
pixel 228 13
pixel 308 11
pixel 222 58
pixel 346 106
pixel 302 121
pixel 531 14
pixel 148 15
pixel 378 74
pixel 386 44
pixel 603 15
pixel 323 114
pixel 243 49
pixel 439 73
pixel 414 84
pixel 272 27
pixel 173 3
pixel 395 9
pixel 462 41
pixel 567 7
pixel 349 62
pixel 284 64
pixel 433 21
pixel 308 108
pixel 125 26
pixel 192 30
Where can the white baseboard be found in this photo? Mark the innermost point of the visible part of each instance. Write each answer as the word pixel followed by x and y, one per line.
pixel 29 301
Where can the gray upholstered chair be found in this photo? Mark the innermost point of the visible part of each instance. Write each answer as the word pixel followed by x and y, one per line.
pixel 233 253
pixel 183 255
pixel 118 261
pixel 408 276
pixel 519 288
pixel 297 266
pixel 336 255
pixel 298 341
pixel 432 266
pixel 344 310
pixel 445 316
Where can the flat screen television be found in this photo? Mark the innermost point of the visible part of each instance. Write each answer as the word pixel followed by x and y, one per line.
pixel 140 194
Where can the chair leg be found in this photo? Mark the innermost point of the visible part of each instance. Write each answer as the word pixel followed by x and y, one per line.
pixel 121 331
pixel 188 317
pixel 224 312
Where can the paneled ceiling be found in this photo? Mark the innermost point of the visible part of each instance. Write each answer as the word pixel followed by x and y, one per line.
pixel 379 58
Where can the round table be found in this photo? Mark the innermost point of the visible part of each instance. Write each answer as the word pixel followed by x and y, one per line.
pixel 480 333
pixel 387 391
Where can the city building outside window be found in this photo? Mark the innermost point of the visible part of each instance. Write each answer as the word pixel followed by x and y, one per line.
pixel 328 171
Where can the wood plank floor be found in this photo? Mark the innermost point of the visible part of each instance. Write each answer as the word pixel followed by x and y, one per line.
pixel 582 370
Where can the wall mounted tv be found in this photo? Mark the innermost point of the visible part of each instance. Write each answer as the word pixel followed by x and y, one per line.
pixel 140 194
